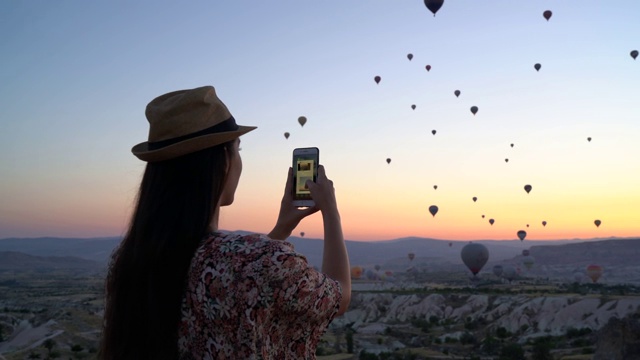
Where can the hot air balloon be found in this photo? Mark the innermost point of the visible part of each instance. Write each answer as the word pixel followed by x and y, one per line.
pixel 522 234
pixel 634 54
pixel 527 225
pixel 433 210
pixel 433 132
pixel 302 120
pixel 537 67
pixel 525 252
pixel 474 255
pixel 511 144
pixel 356 272
pixel 528 261
pixel 450 244
pixel 411 256
pixel 286 135
pixel 456 93
pixel 433 5
pixel 597 222
pixel 409 56
pixel 371 275
pixel 527 188
pixel 483 216
pixel 388 161
pixel 428 67
pixel 413 107
pixel 594 272
pixel 589 139
pixel 544 223
pixel 377 79
pixel 497 270
pixel 491 221
pixel 435 187
pixel 474 199
pixel 506 160
pixel 302 233
pixel 474 110
pixel 509 272
pixel 547 14
pixel 377 267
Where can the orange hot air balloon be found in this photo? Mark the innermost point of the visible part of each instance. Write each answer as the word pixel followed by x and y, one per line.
pixel 457 93
pixel 594 272
pixel 409 56
pixel 597 222
pixel 547 14
pixel 286 135
pixel 491 221
pixel 527 188
pixel 433 5
pixel 302 120
pixel 356 272
pixel 433 132
pixel 433 210
pixel 537 67
pixel 377 79
pixel 474 199
pixel 634 54
pixel 413 107
pixel 388 161
pixel 428 67
pixel 474 110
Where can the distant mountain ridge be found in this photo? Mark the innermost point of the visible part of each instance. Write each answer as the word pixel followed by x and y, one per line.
pixel 16 261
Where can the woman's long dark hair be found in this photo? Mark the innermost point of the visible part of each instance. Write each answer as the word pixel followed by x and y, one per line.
pixel 147 276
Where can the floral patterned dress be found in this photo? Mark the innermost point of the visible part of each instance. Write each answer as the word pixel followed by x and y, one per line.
pixel 250 297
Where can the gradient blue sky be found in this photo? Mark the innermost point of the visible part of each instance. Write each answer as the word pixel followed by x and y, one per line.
pixel 75 78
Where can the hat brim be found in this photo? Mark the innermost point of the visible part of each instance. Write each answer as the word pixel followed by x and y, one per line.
pixel 142 152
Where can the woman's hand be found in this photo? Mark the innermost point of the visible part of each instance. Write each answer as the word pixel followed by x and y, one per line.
pixel 290 215
pixel 323 193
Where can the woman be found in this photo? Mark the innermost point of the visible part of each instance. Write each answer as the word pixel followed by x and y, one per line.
pixel 180 289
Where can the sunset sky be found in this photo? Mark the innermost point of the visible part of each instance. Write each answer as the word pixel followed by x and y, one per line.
pixel 75 78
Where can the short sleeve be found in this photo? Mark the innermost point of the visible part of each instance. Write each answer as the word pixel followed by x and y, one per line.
pixel 300 290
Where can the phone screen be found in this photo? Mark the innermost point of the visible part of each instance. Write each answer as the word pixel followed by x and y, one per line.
pixel 305 167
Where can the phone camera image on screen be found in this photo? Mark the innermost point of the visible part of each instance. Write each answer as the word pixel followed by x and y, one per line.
pixel 305 168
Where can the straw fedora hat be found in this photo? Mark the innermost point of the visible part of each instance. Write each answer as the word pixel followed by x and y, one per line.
pixel 185 121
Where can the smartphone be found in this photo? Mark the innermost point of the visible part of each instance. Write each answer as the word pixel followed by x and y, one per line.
pixel 305 167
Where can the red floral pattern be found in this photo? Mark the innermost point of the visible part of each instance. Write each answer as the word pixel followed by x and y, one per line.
pixel 250 297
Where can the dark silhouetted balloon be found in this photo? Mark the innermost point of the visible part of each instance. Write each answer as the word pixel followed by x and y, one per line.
pixel 483 216
pixel 522 234
pixel 411 256
pixel 286 135
pixel 547 14
pixel 302 233
pixel 537 67
pixel 377 79
pixel 388 161
pixel 510 273
pixel 433 5
pixel 594 272
pixel 433 210
pixel 525 252
pixel 428 67
pixel 634 54
pixel 589 139
pixel 527 225
pixel 302 120
pixel 597 222
pixel 435 187
pixel 456 93
pixel 409 56
pixel 433 132
pixel 506 160
pixel 474 256
pixel 544 223
pixel 527 188
pixel 474 109
pixel 474 199
pixel 491 221
pixel 413 107
pixel 511 144
pixel 377 267
pixel 497 270
pixel 450 244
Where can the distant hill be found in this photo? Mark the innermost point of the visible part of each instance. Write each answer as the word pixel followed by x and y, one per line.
pixel 17 261
pixel 97 249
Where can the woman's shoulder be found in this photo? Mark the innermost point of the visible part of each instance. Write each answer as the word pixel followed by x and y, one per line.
pixel 243 242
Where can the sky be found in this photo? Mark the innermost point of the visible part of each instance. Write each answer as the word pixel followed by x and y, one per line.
pixel 75 78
